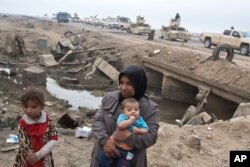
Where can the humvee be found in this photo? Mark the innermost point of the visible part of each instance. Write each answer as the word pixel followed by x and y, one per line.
pixel 139 27
pixel 174 31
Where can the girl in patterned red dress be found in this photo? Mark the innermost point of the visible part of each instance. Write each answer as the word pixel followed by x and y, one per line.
pixel 36 131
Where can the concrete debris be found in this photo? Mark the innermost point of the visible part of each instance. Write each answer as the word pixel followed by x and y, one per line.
pixel 242 110
pixel 70 80
pixel 20 44
pixel 106 68
pixel 34 76
pixel 42 43
pixel 65 56
pixel 47 60
pixel 157 51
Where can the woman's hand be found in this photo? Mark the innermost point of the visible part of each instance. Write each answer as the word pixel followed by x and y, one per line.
pixel 121 135
pixel 32 158
pixel 109 148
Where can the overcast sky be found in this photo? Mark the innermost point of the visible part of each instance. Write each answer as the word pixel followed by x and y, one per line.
pixel 196 15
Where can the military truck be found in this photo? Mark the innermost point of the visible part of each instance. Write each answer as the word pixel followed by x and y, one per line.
pixel 124 23
pixel 139 27
pixel 62 17
pixel 238 40
pixel 174 31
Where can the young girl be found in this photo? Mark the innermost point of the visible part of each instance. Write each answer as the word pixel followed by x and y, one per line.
pixel 36 131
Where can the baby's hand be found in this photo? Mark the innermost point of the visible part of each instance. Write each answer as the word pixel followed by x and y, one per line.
pixel 132 117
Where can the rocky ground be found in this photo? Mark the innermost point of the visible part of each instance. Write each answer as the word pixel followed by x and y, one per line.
pixel 171 149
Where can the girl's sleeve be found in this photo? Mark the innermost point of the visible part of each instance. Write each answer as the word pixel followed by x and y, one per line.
pixel 48 147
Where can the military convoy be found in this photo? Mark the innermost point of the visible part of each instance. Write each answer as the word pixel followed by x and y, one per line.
pixel 174 31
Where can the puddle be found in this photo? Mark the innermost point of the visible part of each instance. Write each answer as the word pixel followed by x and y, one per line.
pixel 75 98
pixel 5 69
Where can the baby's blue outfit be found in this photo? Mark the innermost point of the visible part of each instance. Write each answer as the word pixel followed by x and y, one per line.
pixel 139 122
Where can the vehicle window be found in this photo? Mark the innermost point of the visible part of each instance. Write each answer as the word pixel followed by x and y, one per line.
pixel 236 34
pixel 227 32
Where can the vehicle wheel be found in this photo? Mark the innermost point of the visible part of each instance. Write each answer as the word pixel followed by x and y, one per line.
pixel 244 49
pixel 161 37
pixel 207 43
pixel 122 28
pixel 223 47
pixel 185 40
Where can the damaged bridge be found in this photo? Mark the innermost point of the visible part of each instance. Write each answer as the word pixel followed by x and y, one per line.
pixel 183 86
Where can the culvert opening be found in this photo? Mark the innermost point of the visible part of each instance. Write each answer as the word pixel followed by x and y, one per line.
pixel 172 108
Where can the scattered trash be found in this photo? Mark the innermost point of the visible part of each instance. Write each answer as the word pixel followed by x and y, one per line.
pixel 83 132
pixel 157 51
pixel 12 139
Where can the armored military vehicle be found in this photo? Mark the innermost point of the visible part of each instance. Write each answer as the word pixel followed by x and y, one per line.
pixel 139 27
pixel 124 23
pixel 62 17
pixel 174 31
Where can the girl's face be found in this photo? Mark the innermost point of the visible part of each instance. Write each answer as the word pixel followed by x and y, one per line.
pixel 33 109
pixel 126 88
pixel 132 109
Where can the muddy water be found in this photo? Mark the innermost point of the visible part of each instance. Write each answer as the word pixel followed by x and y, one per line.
pixel 74 97
pixel 170 110
pixel 5 69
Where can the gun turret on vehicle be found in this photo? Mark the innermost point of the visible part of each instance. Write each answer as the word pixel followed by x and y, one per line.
pixel 174 31
pixel 76 18
pixel 139 27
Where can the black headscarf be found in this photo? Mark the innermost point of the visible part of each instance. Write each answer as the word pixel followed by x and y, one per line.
pixel 137 78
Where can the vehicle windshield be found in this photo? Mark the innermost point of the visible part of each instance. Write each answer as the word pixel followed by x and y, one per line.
pixel 246 34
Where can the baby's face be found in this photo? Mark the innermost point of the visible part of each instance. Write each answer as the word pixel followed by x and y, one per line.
pixel 132 109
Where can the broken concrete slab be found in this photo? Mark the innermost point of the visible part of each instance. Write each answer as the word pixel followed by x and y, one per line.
pixel 241 118
pixel 70 80
pixel 76 39
pixel 68 44
pixel 242 110
pixel 106 68
pixel 64 57
pixel 34 76
pixel 47 60
pixel 188 115
pixel 42 43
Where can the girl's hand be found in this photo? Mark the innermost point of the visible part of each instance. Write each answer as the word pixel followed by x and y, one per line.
pixel 32 158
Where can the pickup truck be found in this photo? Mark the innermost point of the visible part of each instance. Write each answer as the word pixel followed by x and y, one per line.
pixel 238 40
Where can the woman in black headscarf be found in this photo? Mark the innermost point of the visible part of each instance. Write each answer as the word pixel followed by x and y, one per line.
pixel 132 83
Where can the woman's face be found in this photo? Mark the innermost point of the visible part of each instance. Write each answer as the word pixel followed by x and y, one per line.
pixel 126 89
